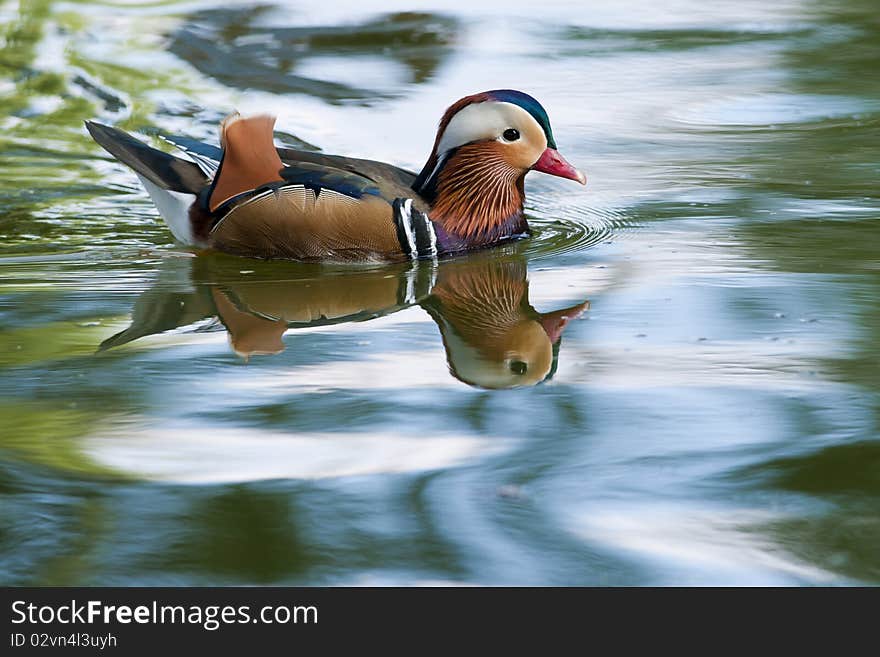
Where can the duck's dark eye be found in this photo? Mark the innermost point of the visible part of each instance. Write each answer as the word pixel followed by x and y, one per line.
pixel 518 367
pixel 511 134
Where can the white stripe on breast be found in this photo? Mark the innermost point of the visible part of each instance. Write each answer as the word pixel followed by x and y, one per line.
pixel 433 235
pixel 406 220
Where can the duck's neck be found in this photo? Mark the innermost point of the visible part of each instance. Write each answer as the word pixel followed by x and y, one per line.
pixel 483 300
pixel 474 195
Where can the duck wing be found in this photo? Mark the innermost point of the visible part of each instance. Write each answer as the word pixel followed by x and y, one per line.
pixel 312 208
pixel 396 180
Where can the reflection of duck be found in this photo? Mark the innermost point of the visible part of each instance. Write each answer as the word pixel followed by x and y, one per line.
pixel 257 313
pixel 492 336
pixel 252 199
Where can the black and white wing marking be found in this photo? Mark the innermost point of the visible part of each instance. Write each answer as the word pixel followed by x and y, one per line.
pixel 415 231
pixel 205 156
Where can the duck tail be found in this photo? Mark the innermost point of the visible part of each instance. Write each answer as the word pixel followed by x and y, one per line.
pixel 173 183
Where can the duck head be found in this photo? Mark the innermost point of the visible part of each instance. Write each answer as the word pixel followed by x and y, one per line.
pixel 485 145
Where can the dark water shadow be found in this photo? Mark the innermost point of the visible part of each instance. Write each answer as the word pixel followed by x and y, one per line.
pixel 241 48
pixel 580 41
pixel 841 533
pixel 238 532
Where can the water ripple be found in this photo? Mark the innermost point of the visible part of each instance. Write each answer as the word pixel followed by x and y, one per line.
pixel 575 229
pixel 759 111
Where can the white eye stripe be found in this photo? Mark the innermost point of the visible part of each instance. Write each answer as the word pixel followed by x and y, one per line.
pixel 486 120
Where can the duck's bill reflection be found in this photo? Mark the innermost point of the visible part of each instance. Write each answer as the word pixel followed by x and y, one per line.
pixel 492 336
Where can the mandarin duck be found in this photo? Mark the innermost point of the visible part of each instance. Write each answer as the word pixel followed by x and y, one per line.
pixel 492 336
pixel 250 198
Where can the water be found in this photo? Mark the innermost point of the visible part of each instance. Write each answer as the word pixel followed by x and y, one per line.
pixel 709 416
